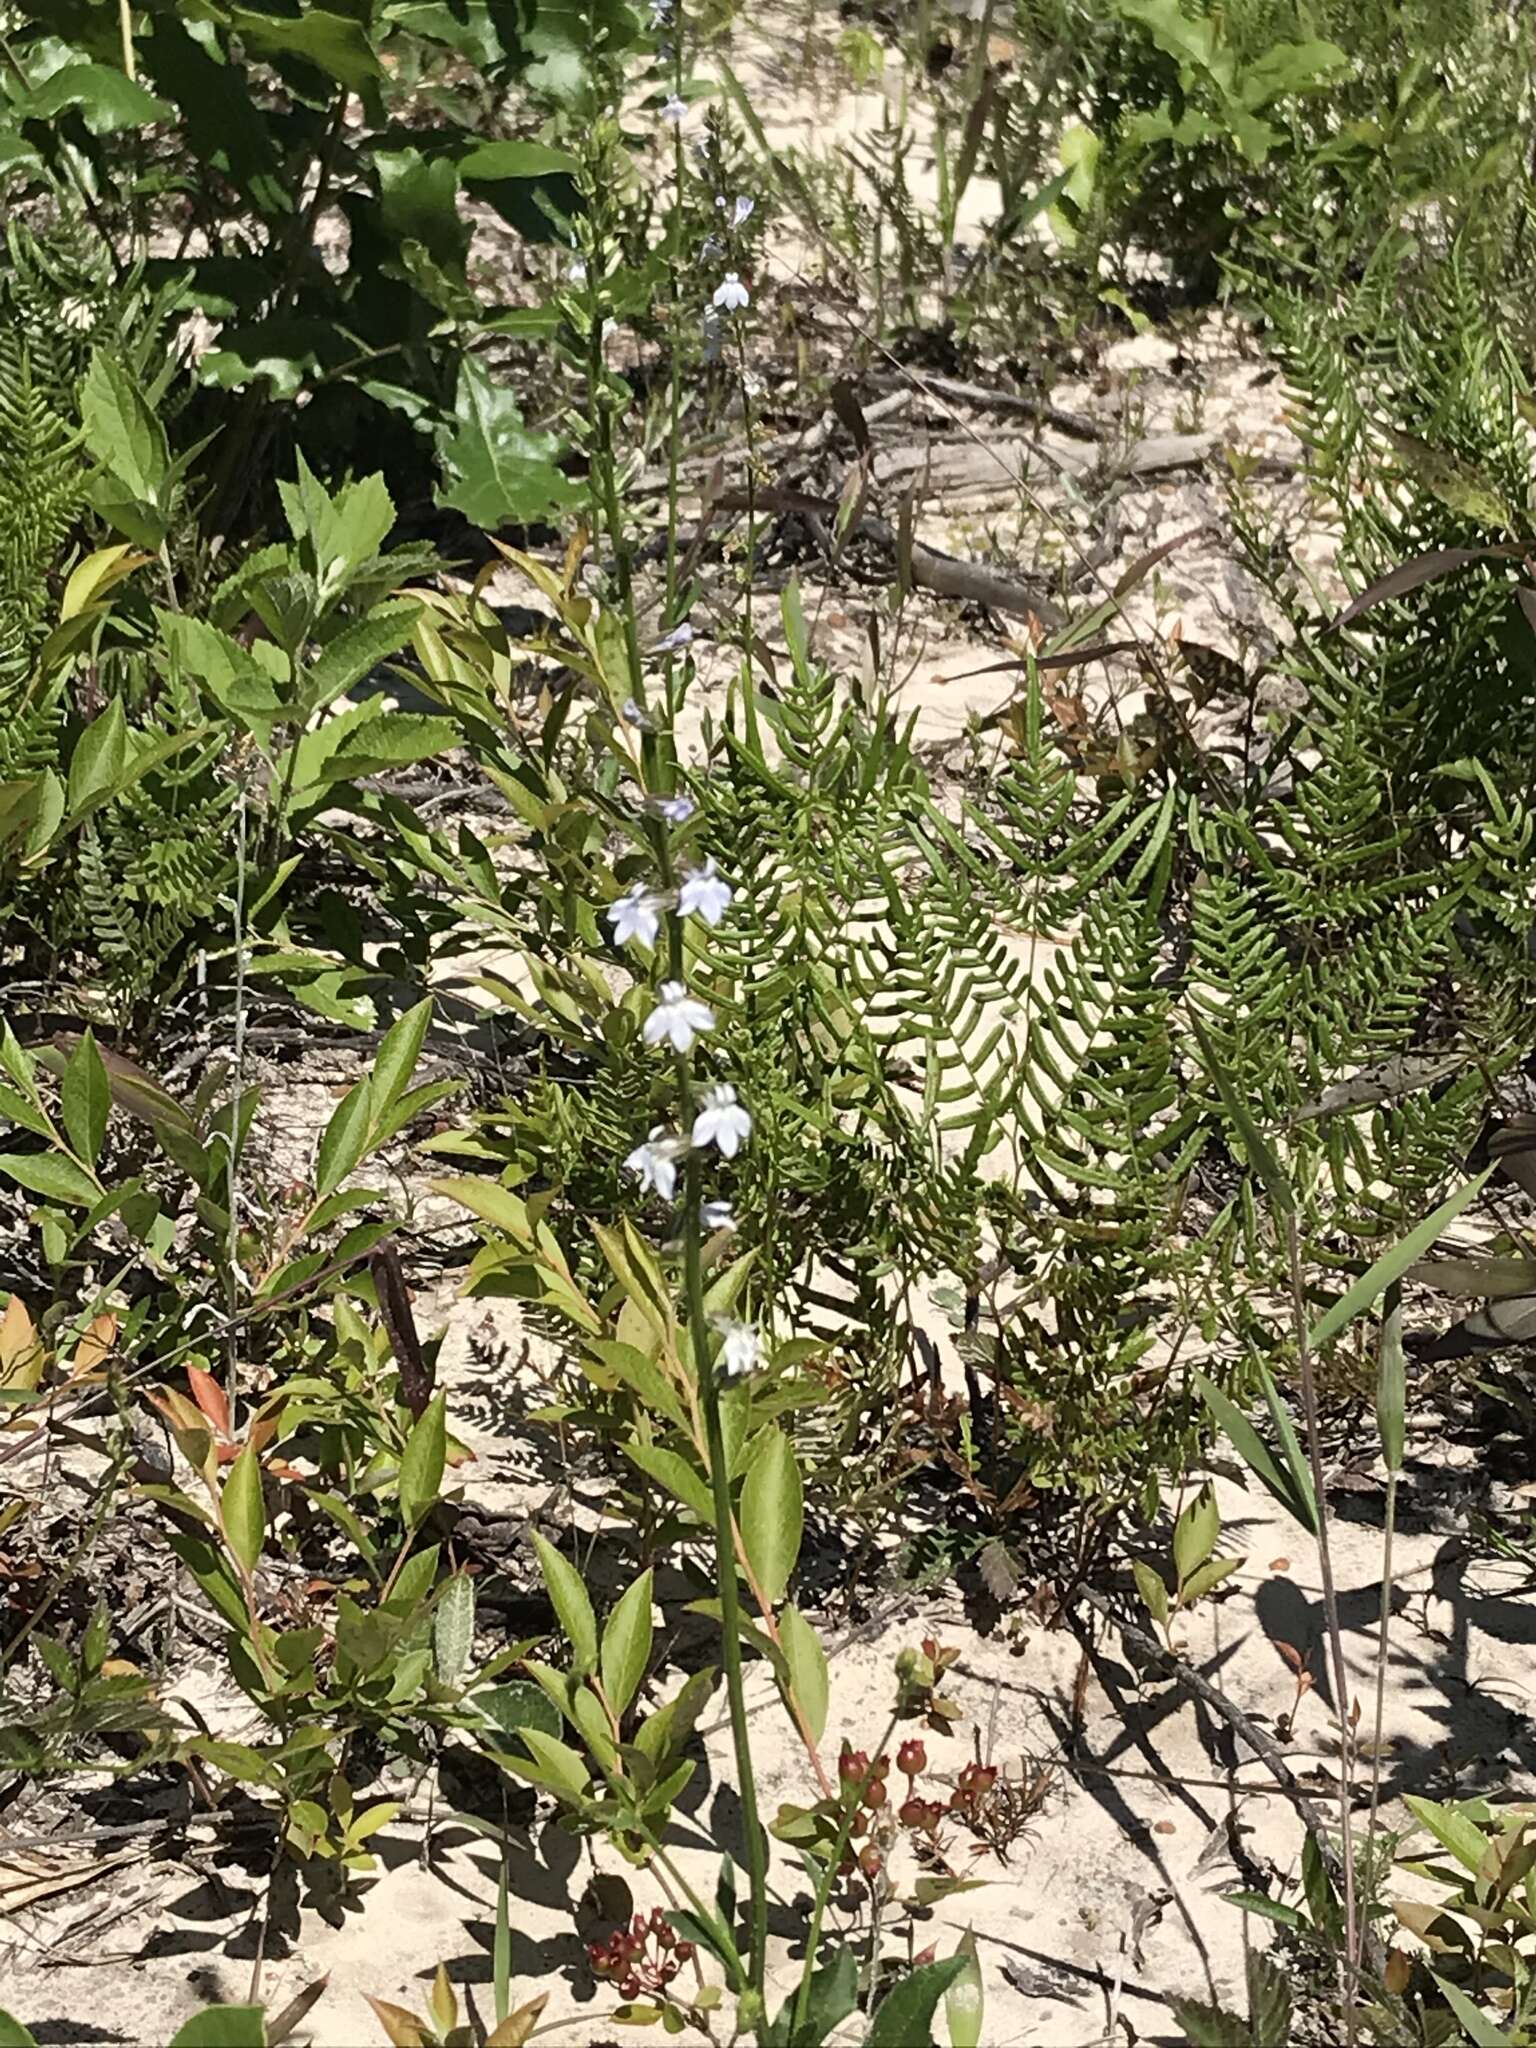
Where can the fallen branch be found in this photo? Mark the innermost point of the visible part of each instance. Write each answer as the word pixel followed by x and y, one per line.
pixel 1073 423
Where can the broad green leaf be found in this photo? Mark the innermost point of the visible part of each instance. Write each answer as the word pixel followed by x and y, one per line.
pixel 964 2001
pixel 242 1511
pixel 14 2035
pixel 675 1473
pixel 346 1137
pixel 904 2017
pixel 1393 1264
pixel 421 1466
pixel 56 1179
pixel 500 473
pixel 121 431
pixel 572 1605
pixel 334 42
pixel 395 1061
pixel 563 1769
pixel 1479 2029
pixel 516 1706
pixel 490 162
pixel 1206 1577
pixel 1195 1533
pixel 99 762
pixel 807 1662
pixel 1451 1829
pixel 626 1648
pixel 388 740
pixel 453 1628
pixel 772 1513
pixel 1210 2026
pixel 1154 1594
pixel 224 2026
pixel 106 97
pixel 85 1099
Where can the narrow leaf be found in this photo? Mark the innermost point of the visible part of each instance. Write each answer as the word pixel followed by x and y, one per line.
pixel 772 1513
pixel 571 1602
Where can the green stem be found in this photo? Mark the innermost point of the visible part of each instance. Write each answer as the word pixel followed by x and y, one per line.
pixel 725 1565
pixel 854 1798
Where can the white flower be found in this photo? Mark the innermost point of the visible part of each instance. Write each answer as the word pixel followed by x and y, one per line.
pixel 704 894
pixel 679 636
pixel 732 296
pixel 576 270
pixel 742 211
pixel 636 916
pixel 722 1121
pixel 678 1017
pixel 717 1216
pixel 661 13
pixel 654 1163
pixel 634 714
pixel 676 810
pixel 675 109
pixel 741 1354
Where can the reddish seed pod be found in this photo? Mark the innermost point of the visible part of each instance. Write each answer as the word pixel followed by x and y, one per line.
pixel 852 1765
pixel 983 1778
pixel 913 1813
pixel 684 1951
pixel 911 1758
pixel 874 1794
pixel 881 1767
pixel 665 1938
pixel 871 1862
pixel 637 1925
pixel 958 1800
pixel 930 1648
pixel 630 1988
pixel 658 1919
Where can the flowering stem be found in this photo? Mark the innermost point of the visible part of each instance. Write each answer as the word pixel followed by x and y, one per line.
pixel 725 1569
pixel 853 1796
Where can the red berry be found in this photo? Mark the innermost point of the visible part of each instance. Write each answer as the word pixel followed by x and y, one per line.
pixel 630 1988
pixel 658 1920
pixel 684 1951
pixel 871 1862
pixel 852 1765
pixel 983 1778
pixel 637 1926
pixel 874 1794
pixel 958 1800
pixel 913 1813
pixel 911 1758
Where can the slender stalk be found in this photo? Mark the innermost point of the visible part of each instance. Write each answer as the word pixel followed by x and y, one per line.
pixel 725 1567
pixel 829 1879
pixel 1308 1378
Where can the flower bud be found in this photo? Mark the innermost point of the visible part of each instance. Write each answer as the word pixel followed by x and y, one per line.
pixel 911 1758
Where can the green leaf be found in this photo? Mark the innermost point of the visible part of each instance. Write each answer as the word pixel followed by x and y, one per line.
pixel 1210 2026
pixel 356 651
pixel 964 2001
pixel 1393 1264
pixel 13 2034
pixel 516 1706
pixel 1154 1594
pixel 121 431
pixel 1195 1533
pixel 834 1993
pixel 242 1511
pixel 395 1061
pixel 772 1512
pixel 904 2018
pixel 490 162
pixel 346 1137
pixel 107 99
pixel 86 1099
pixel 499 472
pixel 334 43
pixel 572 1605
pixel 453 1628
pixel 421 1466
pixel 46 1174
pixel 1452 1830
pixel 562 1769
pixel 1206 1577
pixel 98 765
pixel 681 1479
pixel 1269 2002
pixel 224 2026
pixel 626 1647
pixel 1479 2029
pixel 1290 1485
pixel 391 739
pixel 807 1662
pixel 1392 1383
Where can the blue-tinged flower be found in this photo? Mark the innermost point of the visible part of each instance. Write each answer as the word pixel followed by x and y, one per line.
pixel 674 810
pixel 732 296
pixel 675 110
pixel 635 714
pixel 654 1164
pixel 680 636
pixel 742 211
pixel 722 1122
pixel 678 1018
pixel 703 893
pixel 636 916
pixel 717 1216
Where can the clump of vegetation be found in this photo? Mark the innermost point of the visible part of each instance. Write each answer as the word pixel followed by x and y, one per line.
pixel 433 437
